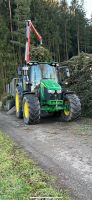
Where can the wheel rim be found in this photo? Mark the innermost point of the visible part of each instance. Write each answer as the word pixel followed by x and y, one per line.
pixel 26 110
pixel 17 102
pixel 67 108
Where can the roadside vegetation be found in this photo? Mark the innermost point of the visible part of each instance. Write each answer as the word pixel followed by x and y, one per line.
pixel 20 178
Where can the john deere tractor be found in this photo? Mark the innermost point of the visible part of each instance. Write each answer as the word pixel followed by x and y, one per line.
pixel 39 90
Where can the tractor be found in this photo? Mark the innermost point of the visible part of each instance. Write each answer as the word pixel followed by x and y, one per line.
pixel 39 88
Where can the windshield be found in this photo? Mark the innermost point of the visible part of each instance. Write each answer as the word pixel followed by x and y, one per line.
pixel 42 71
pixel 48 72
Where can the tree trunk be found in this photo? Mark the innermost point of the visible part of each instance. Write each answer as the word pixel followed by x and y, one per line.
pixel 10 16
pixel 78 40
pixel 11 27
pixel 66 48
pixel 19 53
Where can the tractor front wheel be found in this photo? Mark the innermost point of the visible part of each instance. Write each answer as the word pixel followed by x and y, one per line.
pixel 72 108
pixel 31 109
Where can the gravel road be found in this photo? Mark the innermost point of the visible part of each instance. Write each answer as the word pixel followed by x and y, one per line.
pixel 61 149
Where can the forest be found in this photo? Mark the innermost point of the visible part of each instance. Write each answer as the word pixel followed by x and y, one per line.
pixel 65 30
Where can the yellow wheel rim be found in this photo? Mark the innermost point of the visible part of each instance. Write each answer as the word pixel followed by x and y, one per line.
pixel 17 102
pixel 67 109
pixel 66 112
pixel 26 110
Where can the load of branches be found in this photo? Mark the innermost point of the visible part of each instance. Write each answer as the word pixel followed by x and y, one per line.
pixel 40 54
pixel 80 80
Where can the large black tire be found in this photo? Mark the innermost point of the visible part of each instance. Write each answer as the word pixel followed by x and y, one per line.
pixel 74 108
pixel 18 103
pixel 31 109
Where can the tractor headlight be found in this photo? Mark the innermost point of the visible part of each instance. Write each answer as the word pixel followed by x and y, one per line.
pixel 59 91
pixel 51 91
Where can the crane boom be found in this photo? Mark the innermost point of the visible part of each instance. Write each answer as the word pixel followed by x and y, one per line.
pixel 30 28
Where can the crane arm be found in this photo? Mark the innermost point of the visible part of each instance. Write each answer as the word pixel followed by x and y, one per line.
pixel 30 28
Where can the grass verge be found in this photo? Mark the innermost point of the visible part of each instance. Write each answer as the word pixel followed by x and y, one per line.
pixel 20 178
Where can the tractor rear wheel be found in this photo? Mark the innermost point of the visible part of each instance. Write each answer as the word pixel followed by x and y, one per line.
pixel 72 108
pixel 31 109
pixel 18 103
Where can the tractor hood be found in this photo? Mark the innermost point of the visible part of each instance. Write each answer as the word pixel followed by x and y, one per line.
pixel 51 84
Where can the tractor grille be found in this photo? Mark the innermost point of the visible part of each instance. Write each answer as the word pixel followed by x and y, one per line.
pixel 55 96
pixel 49 96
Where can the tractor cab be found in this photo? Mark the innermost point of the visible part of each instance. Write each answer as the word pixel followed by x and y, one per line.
pixel 35 73
pixel 42 72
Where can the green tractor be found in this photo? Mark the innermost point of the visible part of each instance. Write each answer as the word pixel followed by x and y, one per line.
pixel 39 89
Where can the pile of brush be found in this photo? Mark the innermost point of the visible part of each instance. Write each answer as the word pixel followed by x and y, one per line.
pixel 81 80
pixel 40 54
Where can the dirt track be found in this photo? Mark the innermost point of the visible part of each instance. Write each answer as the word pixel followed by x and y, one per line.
pixel 62 149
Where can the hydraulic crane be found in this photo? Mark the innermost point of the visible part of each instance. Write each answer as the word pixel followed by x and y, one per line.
pixel 30 28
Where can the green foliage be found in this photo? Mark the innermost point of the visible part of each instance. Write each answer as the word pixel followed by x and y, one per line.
pixel 81 80
pixel 7 56
pixel 40 54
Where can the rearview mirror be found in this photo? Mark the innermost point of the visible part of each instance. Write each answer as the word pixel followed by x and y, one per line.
pixel 67 72
pixel 63 73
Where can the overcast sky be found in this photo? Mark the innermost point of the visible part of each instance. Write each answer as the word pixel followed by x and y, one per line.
pixel 88 7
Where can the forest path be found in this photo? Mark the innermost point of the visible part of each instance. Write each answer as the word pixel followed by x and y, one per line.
pixel 62 149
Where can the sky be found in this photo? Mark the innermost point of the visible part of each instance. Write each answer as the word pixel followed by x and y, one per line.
pixel 87 6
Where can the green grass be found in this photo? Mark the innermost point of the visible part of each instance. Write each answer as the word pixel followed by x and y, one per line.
pixel 20 178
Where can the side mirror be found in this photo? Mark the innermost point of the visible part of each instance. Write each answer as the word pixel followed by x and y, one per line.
pixel 67 72
pixel 63 73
